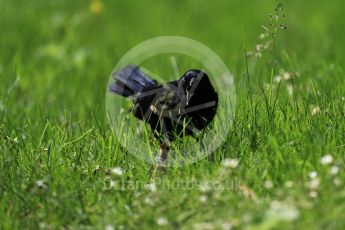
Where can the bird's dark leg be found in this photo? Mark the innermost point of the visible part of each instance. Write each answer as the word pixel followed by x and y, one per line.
pixel 163 151
pixel 162 158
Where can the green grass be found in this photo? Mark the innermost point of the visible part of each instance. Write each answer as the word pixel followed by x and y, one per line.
pixel 57 149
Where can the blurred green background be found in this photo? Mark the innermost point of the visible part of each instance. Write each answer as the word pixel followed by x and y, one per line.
pixel 64 51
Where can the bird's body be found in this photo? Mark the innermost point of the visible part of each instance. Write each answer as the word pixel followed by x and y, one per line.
pixel 174 109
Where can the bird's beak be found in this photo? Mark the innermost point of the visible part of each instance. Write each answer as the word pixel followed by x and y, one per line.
pixel 187 97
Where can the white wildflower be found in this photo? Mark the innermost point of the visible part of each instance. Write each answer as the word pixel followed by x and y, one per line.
pixel 268 184
pixel 315 110
pixel 314 183
pixel 286 76
pixel 262 36
pixel 41 184
pixel 117 171
pixel 109 227
pixel 162 221
pixel 337 181
pixel 148 201
pixel 326 160
pixel 42 225
pixel 226 226
pixel 282 211
pixel 334 170
pixel 203 198
pixel 277 79
pixel 313 174
pixel 258 47
pixel 313 194
pixel 230 163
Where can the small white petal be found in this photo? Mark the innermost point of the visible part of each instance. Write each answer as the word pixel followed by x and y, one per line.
pixel 41 184
pixel 162 221
pixel 313 194
pixel 109 227
pixel 314 183
pixel 230 163
pixel 282 211
pixel 258 47
pixel 327 159
pixel 277 79
pixel 334 170
pixel 117 171
pixel 149 201
pixel 337 181
pixel 226 226
pixel 315 110
pixel 262 36
pixel 203 198
pixel 268 184
pixel 313 174
pixel 286 76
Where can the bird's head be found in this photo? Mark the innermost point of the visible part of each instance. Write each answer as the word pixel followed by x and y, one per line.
pixel 189 78
pixel 189 81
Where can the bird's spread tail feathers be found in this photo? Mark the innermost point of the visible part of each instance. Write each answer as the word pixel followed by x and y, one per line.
pixel 130 81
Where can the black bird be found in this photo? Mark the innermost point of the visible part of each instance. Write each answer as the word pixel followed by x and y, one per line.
pixel 173 109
